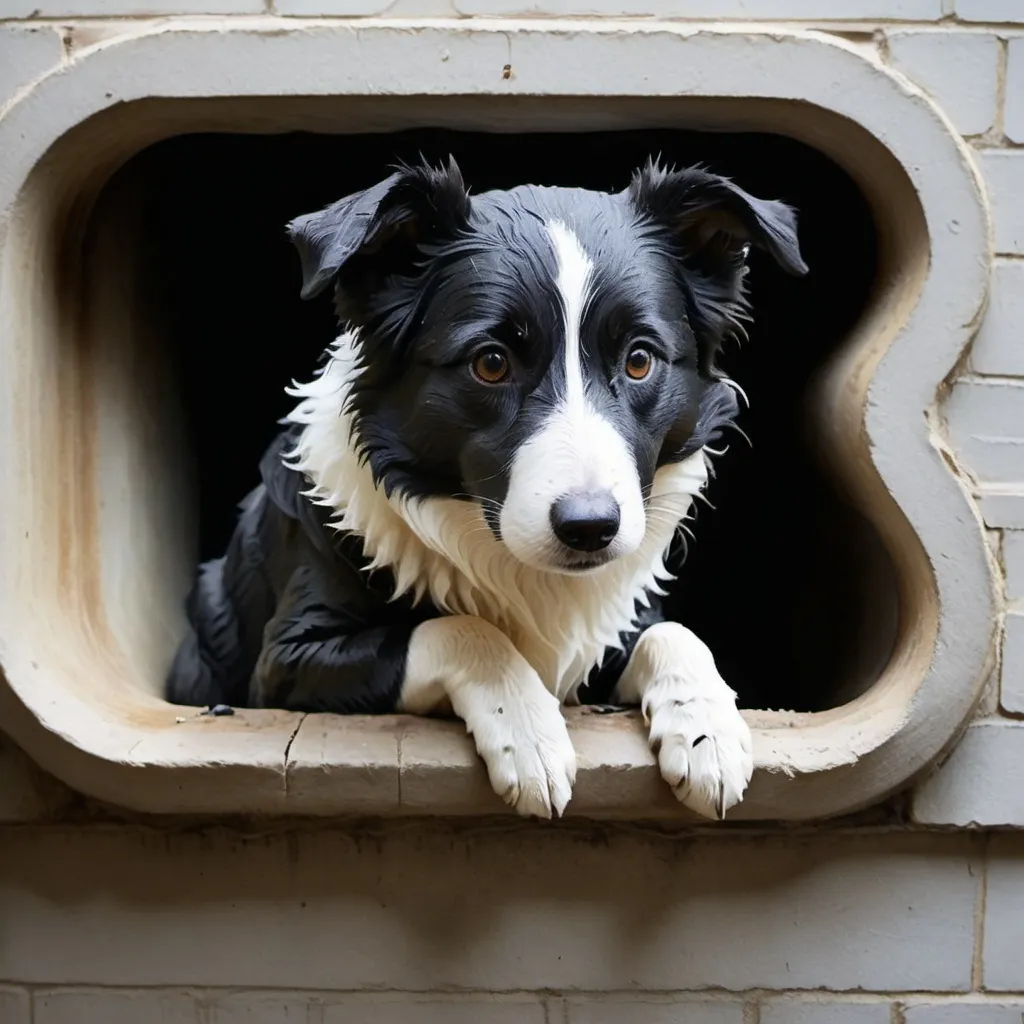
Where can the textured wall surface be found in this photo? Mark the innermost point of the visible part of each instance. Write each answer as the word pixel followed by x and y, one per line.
pixel 908 915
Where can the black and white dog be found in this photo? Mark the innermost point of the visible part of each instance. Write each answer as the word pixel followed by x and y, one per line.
pixel 470 508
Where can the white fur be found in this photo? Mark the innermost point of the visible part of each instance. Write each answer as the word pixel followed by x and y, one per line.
pixel 516 722
pixel 577 450
pixel 443 548
pixel 672 675
pixel 575 270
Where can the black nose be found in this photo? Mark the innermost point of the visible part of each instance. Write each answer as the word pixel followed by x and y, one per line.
pixel 585 521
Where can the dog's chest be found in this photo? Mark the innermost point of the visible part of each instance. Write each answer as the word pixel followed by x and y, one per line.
pixel 560 624
pixel 442 549
pixel 562 655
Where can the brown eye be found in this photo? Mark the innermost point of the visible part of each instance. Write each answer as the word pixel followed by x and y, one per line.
pixel 491 366
pixel 638 363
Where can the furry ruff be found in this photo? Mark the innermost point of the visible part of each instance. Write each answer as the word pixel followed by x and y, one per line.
pixel 442 548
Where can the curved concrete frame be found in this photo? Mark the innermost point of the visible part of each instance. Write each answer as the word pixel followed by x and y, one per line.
pixel 86 523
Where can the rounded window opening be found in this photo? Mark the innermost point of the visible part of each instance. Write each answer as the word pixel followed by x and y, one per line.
pixel 789 585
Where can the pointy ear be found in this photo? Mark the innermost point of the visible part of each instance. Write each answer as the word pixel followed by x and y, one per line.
pixel 370 235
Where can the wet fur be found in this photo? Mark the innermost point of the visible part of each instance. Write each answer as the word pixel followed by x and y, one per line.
pixel 398 554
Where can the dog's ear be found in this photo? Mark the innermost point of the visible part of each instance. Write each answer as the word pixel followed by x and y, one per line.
pixel 373 233
pixel 714 223
pixel 715 220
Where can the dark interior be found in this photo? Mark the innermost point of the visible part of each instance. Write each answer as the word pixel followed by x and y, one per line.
pixel 784 580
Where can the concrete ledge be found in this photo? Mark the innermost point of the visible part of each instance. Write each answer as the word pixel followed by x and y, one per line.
pixel 95 537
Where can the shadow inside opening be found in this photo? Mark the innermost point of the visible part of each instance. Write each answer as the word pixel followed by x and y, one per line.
pixel 789 586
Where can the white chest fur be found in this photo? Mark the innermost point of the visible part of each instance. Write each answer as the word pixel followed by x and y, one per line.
pixel 442 548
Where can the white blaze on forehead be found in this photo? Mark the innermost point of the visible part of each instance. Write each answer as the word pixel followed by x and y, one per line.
pixel 576 448
pixel 573 283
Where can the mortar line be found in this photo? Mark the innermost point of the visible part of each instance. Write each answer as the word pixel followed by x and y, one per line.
pixel 977 961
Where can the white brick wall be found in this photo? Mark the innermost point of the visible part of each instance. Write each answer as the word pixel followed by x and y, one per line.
pixel 1013 564
pixel 824 1011
pixel 435 913
pixel 653 1010
pixel 1003 171
pixel 412 925
pixel 960 70
pixel 14 1006
pixel 986 423
pixel 982 783
pixel 124 8
pixel 78 1006
pixel 148 1006
pixel 965 1013
pixel 1013 120
pixel 115 924
pixel 81 1005
pixel 1012 688
pixel 989 10
pixel 25 54
pixel 999 347
pixel 1003 939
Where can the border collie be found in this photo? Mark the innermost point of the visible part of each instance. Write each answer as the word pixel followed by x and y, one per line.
pixel 470 508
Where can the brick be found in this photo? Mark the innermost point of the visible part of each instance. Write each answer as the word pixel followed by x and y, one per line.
pixel 1005 11
pixel 264 1008
pixel 1011 688
pixel 999 345
pixel 653 1010
pixel 959 70
pixel 26 53
pixel 125 8
pixel 1002 507
pixel 986 427
pixel 787 1011
pixel 80 1006
pixel 300 1008
pixel 747 10
pixel 964 1013
pixel 363 8
pixel 520 907
pixel 1013 105
pixel 451 1010
pixel 1003 170
pixel 1003 939
pixel 982 782
pixel 1013 563
pixel 14 1006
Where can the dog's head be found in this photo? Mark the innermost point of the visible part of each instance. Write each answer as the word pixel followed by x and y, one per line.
pixel 541 351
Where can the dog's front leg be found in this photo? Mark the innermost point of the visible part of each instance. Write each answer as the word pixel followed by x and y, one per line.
pixel 702 743
pixel 516 723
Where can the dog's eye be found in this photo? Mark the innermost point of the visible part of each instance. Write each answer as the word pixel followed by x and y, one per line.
pixel 639 363
pixel 491 366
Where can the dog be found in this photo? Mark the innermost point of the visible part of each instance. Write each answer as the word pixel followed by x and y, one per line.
pixel 472 507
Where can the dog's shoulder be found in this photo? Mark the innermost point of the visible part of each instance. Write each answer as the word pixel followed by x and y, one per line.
pixel 285 488
pixel 339 553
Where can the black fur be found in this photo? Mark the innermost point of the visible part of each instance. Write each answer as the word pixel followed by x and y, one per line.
pixel 289 617
pixel 290 610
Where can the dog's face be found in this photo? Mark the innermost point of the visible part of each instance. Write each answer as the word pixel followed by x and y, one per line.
pixel 541 351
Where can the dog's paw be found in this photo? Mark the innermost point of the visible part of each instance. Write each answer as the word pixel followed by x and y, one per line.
pixel 704 751
pixel 525 744
pixel 703 745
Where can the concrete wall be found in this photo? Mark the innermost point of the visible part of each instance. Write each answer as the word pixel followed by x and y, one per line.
pixel 902 915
